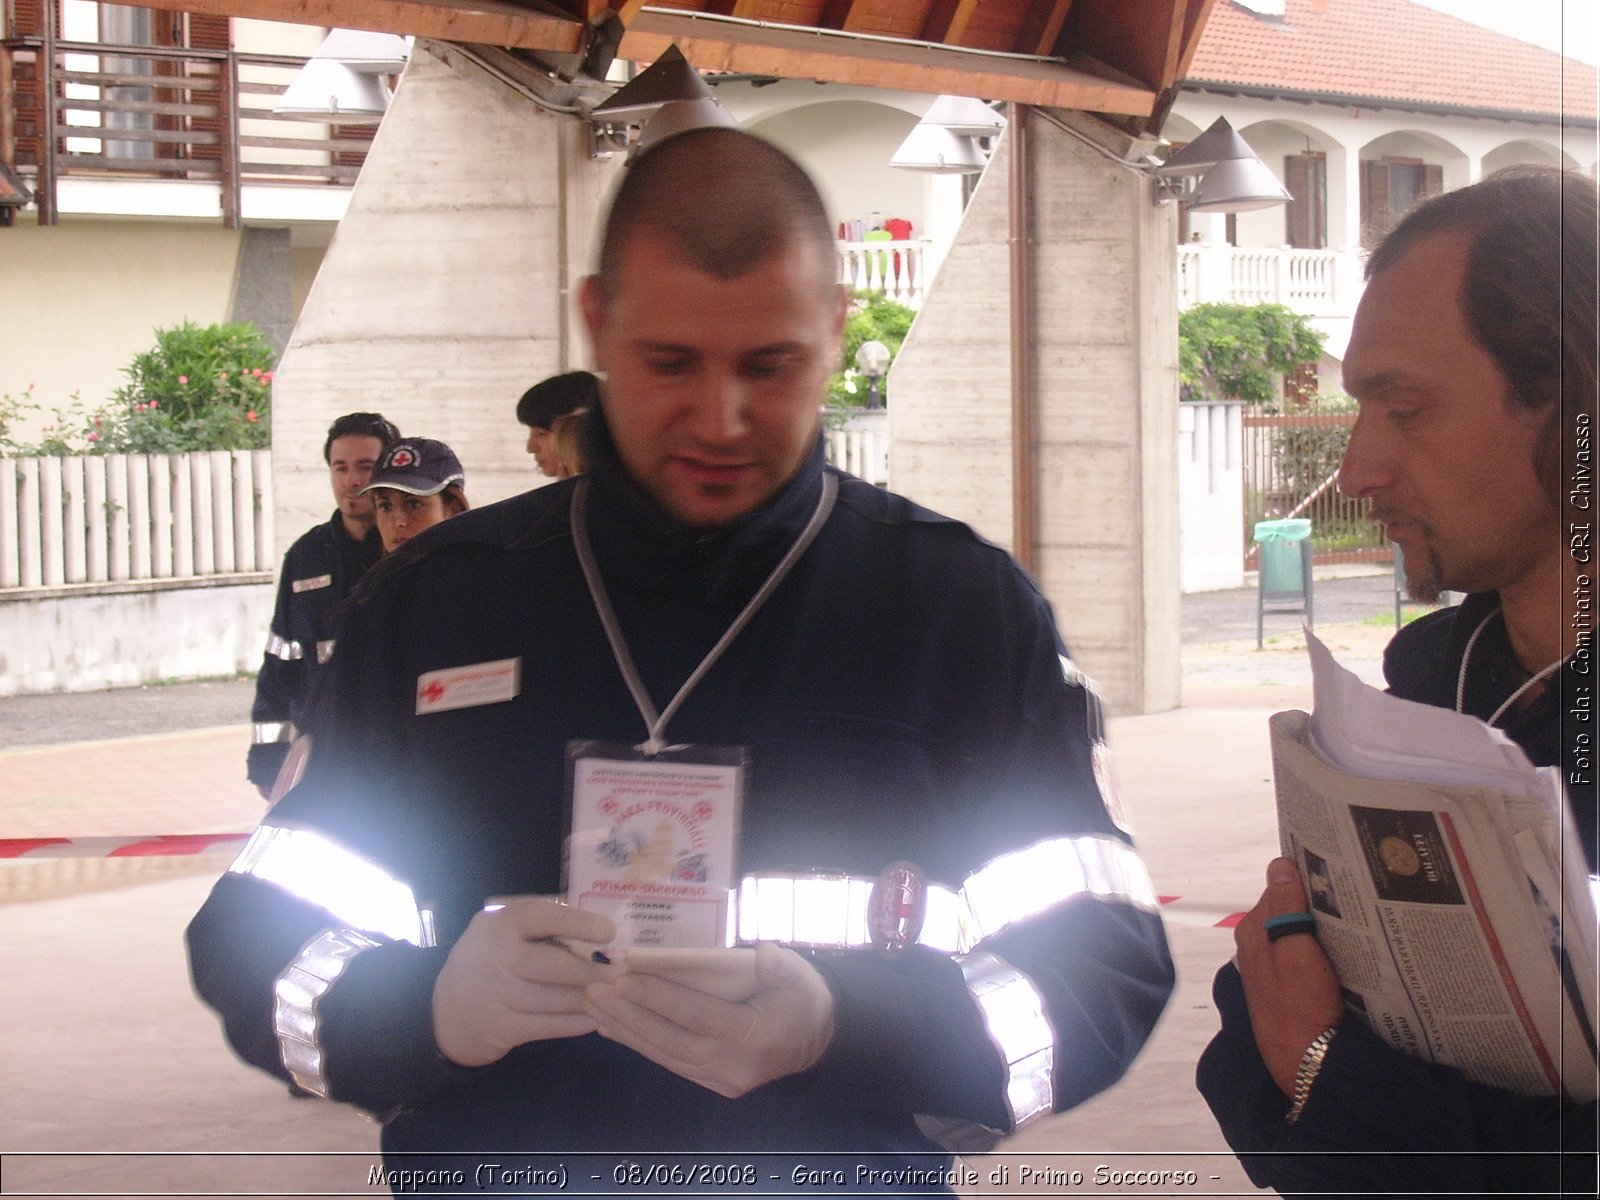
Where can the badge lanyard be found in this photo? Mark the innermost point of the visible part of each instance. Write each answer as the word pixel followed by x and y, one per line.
pixel 656 724
pixel 1466 657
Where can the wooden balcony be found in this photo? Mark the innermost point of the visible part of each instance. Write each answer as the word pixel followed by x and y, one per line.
pixel 92 110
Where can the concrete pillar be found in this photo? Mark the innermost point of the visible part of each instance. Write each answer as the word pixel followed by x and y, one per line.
pixel 264 290
pixel 1104 323
pixel 446 289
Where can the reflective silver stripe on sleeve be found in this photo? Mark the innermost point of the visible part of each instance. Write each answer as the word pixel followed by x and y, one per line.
pixel 823 910
pixel 314 868
pixel 1013 1011
pixel 296 995
pixel 1025 883
pixel 285 649
pixel 265 733
pixel 819 910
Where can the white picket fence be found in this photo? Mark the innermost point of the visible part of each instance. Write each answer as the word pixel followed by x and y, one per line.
pixel 110 518
pixel 114 517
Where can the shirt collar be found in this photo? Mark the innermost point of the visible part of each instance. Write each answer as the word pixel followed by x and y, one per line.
pixel 639 543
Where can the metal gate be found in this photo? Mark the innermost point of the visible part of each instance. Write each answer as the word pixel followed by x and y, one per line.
pixel 1291 465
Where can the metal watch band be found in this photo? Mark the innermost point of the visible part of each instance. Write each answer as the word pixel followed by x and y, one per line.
pixel 1306 1073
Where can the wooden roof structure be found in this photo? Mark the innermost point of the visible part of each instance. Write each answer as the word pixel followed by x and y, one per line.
pixel 1116 57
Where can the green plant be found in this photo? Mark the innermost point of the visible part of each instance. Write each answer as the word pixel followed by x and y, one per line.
pixel 1238 351
pixel 62 434
pixel 1304 456
pixel 873 318
pixel 200 387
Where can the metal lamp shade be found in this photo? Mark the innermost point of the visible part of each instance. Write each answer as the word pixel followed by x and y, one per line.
pixel 965 116
pixel 326 90
pixel 1238 185
pixel 680 116
pixel 936 150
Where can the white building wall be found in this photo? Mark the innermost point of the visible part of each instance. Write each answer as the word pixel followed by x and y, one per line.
pixel 122 636
pixel 1211 495
pixel 447 289
pixel 1103 318
pixel 80 299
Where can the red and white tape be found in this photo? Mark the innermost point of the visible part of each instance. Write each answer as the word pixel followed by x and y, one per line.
pixel 123 847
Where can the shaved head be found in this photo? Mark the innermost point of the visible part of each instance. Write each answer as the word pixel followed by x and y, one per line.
pixel 724 201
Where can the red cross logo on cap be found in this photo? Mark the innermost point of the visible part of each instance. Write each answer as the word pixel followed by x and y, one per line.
pixel 433 693
pixel 403 456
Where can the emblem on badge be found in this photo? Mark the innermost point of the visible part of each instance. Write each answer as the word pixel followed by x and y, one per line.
pixel 897 906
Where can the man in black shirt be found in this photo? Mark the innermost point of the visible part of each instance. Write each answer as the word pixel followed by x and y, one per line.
pixel 317 574
pixel 1473 358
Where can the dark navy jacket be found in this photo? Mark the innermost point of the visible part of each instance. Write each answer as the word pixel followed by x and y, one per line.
pixel 903 697
pixel 1399 1111
pixel 319 571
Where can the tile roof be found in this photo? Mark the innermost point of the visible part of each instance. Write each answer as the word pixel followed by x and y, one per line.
pixel 1391 50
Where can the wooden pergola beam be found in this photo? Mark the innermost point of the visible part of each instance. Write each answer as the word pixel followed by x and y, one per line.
pixel 910 66
pixel 490 22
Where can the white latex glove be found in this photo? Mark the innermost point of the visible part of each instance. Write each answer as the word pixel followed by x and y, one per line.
pixel 731 1048
pixel 502 986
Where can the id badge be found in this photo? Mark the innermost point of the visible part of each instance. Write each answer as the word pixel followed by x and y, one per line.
pixel 653 841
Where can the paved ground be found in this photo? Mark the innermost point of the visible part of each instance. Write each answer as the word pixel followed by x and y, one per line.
pixel 115 1081
pixel 1208 617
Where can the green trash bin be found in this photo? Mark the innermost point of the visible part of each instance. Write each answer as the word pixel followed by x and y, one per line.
pixel 1281 553
pixel 1284 566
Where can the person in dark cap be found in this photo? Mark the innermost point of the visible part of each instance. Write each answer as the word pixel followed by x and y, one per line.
pixel 418 483
pixel 545 402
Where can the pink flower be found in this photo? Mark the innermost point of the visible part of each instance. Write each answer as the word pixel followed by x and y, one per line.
pixel 183 379
pixel 267 375
pixel 256 371
pixel 250 416
pixel 94 437
pixel 223 376
pixel 151 406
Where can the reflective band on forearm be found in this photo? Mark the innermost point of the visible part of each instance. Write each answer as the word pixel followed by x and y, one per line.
pixel 819 909
pixel 1025 883
pixel 314 868
pixel 296 995
pixel 1013 1010
pixel 285 649
pixel 266 733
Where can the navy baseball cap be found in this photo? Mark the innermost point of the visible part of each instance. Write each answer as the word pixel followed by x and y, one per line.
pixel 420 466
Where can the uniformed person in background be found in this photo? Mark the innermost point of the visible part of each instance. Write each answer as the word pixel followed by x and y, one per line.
pixel 317 574
pixel 545 403
pixel 895 683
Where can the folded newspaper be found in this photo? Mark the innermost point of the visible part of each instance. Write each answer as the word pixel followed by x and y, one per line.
pixel 1447 880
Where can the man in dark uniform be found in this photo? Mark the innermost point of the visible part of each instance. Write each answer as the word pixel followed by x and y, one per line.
pixel 1473 358
pixel 895 684
pixel 317 574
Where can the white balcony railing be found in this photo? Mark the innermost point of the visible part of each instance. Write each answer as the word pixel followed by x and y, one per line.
pixel 897 270
pixel 1313 282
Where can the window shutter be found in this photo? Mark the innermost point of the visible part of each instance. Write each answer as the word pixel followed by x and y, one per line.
pixel 1375 215
pixel 1432 180
pixel 25 18
pixel 207 32
pixel 1306 215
